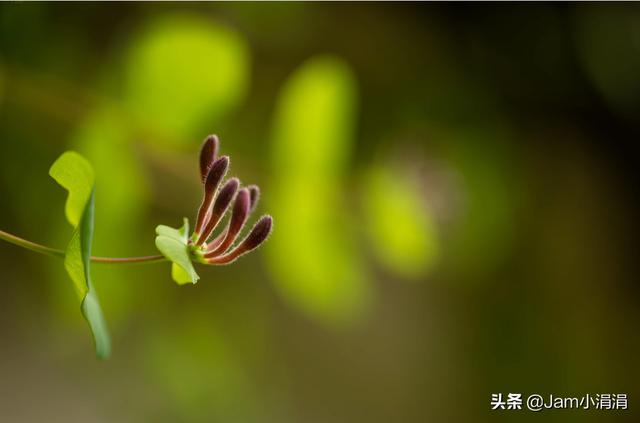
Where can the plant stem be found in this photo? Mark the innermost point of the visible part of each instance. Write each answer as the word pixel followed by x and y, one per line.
pixel 125 260
pixel 42 249
pixel 30 245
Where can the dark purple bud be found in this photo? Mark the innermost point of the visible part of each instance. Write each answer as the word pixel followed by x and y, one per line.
pixel 211 183
pixel 238 219
pixel 223 200
pixel 254 195
pixel 254 192
pixel 208 154
pixel 257 236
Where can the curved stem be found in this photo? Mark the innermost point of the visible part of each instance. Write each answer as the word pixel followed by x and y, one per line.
pixel 20 242
pixel 43 249
pixel 125 260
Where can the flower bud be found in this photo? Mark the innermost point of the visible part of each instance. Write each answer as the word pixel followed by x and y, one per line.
pixel 213 179
pixel 257 236
pixel 254 193
pixel 223 200
pixel 238 218
pixel 208 154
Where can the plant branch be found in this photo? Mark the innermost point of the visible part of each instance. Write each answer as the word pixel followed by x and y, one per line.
pixel 43 249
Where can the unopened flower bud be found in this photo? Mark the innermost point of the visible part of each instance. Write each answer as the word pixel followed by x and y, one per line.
pixel 212 181
pixel 254 193
pixel 208 154
pixel 238 218
pixel 222 202
pixel 257 236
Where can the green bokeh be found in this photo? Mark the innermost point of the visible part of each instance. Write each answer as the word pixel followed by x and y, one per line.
pixel 401 228
pixel 183 74
pixel 313 255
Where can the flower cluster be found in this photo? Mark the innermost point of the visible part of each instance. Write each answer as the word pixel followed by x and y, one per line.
pixel 217 200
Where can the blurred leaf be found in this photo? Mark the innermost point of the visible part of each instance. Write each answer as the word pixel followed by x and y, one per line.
pixel 312 255
pixel 173 244
pixel 401 228
pixel 183 73
pixel 74 173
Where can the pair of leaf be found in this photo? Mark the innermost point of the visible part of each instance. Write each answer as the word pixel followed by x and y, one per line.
pixel 74 173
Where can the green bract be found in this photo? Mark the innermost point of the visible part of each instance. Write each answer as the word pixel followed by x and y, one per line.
pixel 74 173
pixel 174 245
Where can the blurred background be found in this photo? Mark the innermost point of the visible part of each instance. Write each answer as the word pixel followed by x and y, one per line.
pixel 452 189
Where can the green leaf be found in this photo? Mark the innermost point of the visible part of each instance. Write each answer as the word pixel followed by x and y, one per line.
pixel 74 173
pixel 173 244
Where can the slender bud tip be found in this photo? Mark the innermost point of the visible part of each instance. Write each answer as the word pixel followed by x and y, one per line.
pixel 242 204
pixel 216 173
pixel 225 195
pixel 215 176
pixel 259 233
pixel 208 154
pixel 254 193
